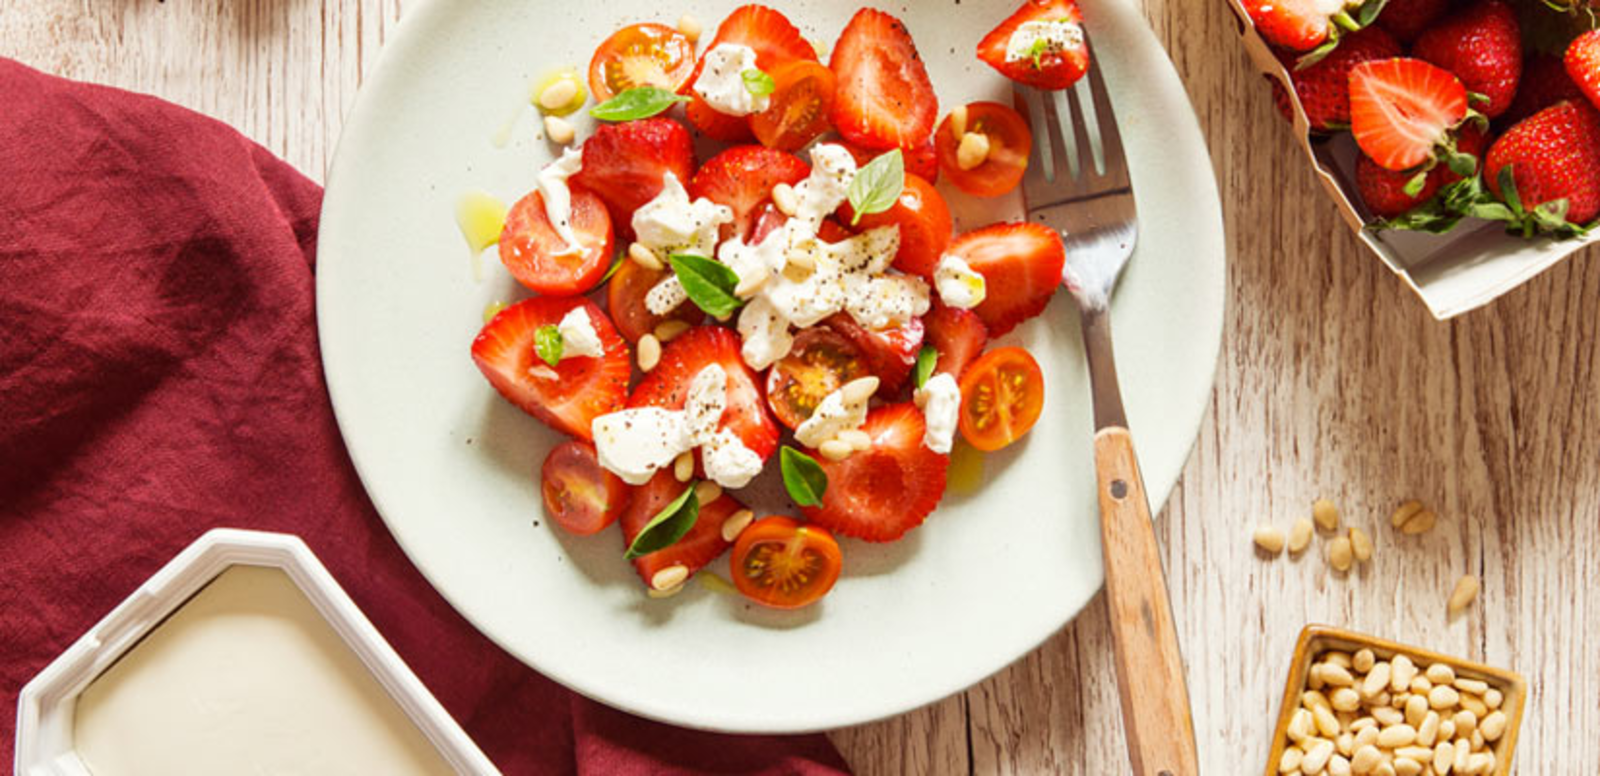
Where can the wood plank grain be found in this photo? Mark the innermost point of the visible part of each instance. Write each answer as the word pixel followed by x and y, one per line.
pixel 1333 381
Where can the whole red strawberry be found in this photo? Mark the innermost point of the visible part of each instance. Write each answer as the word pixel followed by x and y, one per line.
pixel 1384 190
pixel 1324 88
pixel 1406 19
pixel 1552 155
pixel 1583 64
pixel 1544 83
pixel 1482 45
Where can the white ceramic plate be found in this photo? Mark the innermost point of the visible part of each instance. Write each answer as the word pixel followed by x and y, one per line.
pixel 451 466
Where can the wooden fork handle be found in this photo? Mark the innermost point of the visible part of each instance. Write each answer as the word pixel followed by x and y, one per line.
pixel 1155 698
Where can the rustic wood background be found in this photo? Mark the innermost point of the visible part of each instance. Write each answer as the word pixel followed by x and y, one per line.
pixel 1333 381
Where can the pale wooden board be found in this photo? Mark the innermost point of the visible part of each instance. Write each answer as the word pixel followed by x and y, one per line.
pixel 1333 381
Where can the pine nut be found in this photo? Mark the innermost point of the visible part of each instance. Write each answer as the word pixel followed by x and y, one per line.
pixel 751 283
pixel 1474 686
pixel 1443 696
pixel 1363 660
pixel 1405 766
pixel 1367 736
pixel 1376 680
pixel 1493 725
pixel 958 122
pixel 1345 699
pixel 644 257
pixel 1338 766
pixel 1493 698
pixel 803 261
pixel 1421 685
pixel 1345 744
pixel 1414 522
pixel 559 94
pixel 1366 759
pixel 1289 762
pixel 1444 756
pixel 1313 698
pixel 1475 705
pixel 1385 768
pixel 559 130
pixel 1480 763
pixel 1327 725
pixel 1299 536
pixel 1464 594
pixel 1269 538
pixel 1385 699
pixel 1363 724
pixel 857 439
pixel 736 523
pixel 1447 730
pixel 1404 513
pixel 1361 543
pixel 1416 709
pixel 1300 725
pixel 835 450
pixel 649 352
pixel 1465 723
pixel 1428 732
pixel 1402 671
pixel 859 390
pixel 1463 748
pixel 1340 556
pixel 1318 755
pixel 1346 718
pixel 1441 673
pixel 1477 739
pixel 683 466
pixel 1341 659
pixel 1395 736
pixel 707 491
pixel 1337 675
pixel 1388 717
pixel 1326 514
pixel 972 151
pixel 690 27
pixel 669 577
pixel 786 200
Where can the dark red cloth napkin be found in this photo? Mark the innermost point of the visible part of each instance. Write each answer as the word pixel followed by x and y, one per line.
pixel 159 376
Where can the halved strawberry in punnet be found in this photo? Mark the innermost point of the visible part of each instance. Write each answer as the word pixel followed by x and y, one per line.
pixel 883 98
pixel 1049 65
pixel 571 394
pixel 775 40
pixel 742 178
pixel 1021 268
pixel 879 493
pixel 667 385
pixel 701 545
pixel 958 335
pixel 624 163
pixel 890 353
pixel 1401 108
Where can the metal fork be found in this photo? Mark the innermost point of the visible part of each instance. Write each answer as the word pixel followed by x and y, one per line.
pixel 1078 184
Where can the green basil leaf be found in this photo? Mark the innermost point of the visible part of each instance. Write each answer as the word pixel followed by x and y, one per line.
pixel 757 83
pixel 1036 53
pixel 802 477
pixel 877 185
pixel 667 527
pixel 927 359
pixel 548 343
pixel 708 283
pixel 637 103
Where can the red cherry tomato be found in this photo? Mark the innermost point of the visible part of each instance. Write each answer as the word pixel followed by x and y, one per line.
pixel 579 495
pixel 1010 141
pixel 640 55
pixel 537 256
pixel 820 361
pixel 797 111
pixel 1002 394
pixel 785 564
pixel 625 294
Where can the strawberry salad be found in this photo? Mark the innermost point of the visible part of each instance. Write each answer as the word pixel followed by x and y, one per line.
pixel 801 294
pixel 1479 108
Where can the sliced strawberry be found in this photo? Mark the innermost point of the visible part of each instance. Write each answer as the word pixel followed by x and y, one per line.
pixel 717 125
pixel 568 396
pixel 879 493
pixel 1406 19
pixel 1482 45
pixel 1021 267
pixel 775 40
pixel 958 335
pixel 1583 64
pixel 890 353
pixel 1054 66
pixel 883 98
pixel 624 164
pixel 667 385
pixel 701 545
pixel 742 178
pixel 1544 83
pixel 1324 87
pixel 1401 108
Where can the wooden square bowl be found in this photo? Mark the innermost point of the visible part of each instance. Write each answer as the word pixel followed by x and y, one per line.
pixel 1317 639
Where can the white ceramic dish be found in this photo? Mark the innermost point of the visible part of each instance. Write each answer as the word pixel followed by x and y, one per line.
pixel 451 466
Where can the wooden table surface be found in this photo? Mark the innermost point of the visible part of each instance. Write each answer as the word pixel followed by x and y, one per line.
pixel 1333 381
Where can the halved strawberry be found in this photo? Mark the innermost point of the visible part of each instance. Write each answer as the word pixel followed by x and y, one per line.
pixel 775 40
pixel 1583 64
pixel 883 98
pixel 1049 65
pixel 958 335
pixel 624 163
pixel 1021 267
pixel 879 493
pixel 667 385
pixel 1324 87
pixel 742 178
pixel 701 545
pixel 1482 45
pixel 569 395
pixel 1401 108
pixel 890 353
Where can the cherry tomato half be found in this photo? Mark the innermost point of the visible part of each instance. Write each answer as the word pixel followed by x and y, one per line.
pixel 925 225
pixel 640 55
pixel 1009 144
pixel 785 564
pixel 797 111
pixel 1002 394
pixel 625 294
pixel 820 361
pixel 579 495
pixel 537 256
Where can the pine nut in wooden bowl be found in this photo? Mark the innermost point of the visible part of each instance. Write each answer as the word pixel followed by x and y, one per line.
pixel 1342 714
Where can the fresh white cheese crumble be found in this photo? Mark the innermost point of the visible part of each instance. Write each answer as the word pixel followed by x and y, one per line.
pixel 721 82
pixel 831 416
pixel 670 223
pixel 958 285
pixel 940 402
pixel 1056 36
pixel 635 443
pixel 578 337
pixel 765 334
pixel 552 183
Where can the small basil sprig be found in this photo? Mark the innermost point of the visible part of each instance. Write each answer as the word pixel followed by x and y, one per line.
pixel 708 283
pixel 877 185
pixel 636 103
pixel 803 477
pixel 927 359
pixel 757 83
pixel 548 343
pixel 667 527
